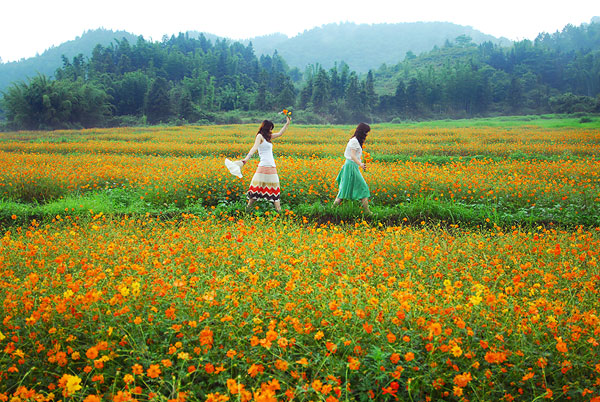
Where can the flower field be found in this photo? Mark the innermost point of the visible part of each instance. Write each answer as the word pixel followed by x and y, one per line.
pixel 544 175
pixel 208 304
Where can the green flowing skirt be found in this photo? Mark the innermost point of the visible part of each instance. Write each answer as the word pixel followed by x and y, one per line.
pixel 351 183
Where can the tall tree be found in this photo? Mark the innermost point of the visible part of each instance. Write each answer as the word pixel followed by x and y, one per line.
pixel 370 95
pixel 400 100
pixel 515 94
pixel 321 90
pixel 158 105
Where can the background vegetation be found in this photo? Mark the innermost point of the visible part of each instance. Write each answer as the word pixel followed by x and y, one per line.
pixel 183 79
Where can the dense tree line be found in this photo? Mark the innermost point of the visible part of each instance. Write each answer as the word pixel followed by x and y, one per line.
pixel 557 73
pixel 179 79
pixel 183 79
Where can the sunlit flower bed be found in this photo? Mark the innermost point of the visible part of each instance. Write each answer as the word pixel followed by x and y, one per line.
pixel 180 180
pixel 182 165
pixel 215 309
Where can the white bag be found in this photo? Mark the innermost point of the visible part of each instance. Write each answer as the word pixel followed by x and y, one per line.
pixel 235 167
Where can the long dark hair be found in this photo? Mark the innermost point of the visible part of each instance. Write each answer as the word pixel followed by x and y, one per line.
pixel 265 129
pixel 361 133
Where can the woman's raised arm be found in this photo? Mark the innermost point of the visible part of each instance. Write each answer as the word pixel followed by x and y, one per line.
pixel 285 126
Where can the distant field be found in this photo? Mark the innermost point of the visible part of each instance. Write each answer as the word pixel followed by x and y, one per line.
pixel 129 269
pixel 540 121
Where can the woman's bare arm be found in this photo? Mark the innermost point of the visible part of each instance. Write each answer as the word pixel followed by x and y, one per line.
pixel 285 126
pixel 355 158
pixel 259 139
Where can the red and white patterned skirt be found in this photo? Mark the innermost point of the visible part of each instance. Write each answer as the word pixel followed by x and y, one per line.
pixel 265 184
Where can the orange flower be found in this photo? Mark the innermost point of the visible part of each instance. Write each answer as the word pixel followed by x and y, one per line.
pixel 281 365
pixel 495 357
pixel 560 345
pixel 92 353
pixel 331 347
pixel 216 397
pixel 527 376
pixel 391 338
pixel 206 337
pixel 457 391
pixel 255 369
pixel 461 380
pixel 435 328
pixel 409 356
pixel 233 387
pixel 137 369
pixel 153 371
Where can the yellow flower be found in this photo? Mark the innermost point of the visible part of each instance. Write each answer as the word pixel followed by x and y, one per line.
pixel 70 384
pixel 456 350
pixel 73 384
pixel 475 300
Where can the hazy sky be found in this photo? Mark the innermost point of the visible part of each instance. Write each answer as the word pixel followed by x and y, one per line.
pixel 28 27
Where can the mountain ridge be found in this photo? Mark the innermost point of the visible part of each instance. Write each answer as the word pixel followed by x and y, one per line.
pixel 51 59
pixel 370 42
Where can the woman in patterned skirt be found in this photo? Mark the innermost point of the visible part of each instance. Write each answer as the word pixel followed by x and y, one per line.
pixel 265 182
pixel 352 185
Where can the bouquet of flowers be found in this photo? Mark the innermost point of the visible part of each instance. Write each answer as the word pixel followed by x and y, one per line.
pixel 286 112
pixel 368 159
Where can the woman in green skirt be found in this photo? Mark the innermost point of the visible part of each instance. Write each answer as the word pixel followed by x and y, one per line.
pixel 352 185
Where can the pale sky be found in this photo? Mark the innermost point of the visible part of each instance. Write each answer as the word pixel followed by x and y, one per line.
pixel 28 27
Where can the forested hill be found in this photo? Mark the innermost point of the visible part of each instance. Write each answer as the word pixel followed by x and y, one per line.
pixel 366 46
pixel 51 59
pixel 362 47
